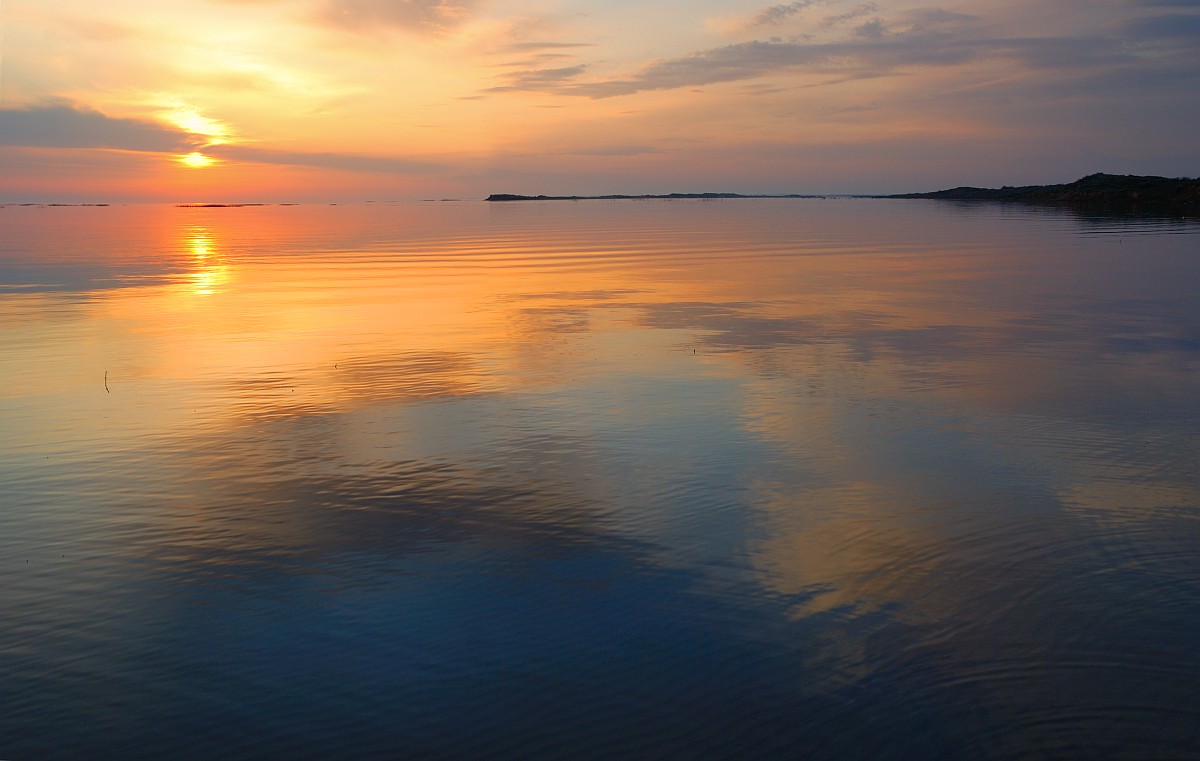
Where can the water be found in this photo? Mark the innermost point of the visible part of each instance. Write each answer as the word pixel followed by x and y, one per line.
pixel 821 479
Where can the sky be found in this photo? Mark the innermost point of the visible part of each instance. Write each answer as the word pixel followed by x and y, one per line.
pixel 322 100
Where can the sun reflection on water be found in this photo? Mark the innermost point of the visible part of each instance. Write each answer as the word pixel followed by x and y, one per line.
pixel 210 270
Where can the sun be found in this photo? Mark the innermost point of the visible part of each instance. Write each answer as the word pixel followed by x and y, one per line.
pixel 196 160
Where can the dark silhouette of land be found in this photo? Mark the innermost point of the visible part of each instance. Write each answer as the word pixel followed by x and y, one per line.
pixel 1117 191
pixel 1114 192
pixel 511 197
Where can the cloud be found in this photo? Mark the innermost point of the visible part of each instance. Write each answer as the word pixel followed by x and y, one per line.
pixel 349 162
pixel 872 28
pixel 926 37
pixel 534 46
pixel 98 30
pixel 1170 26
pixel 1065 52
pixel 1166 3
pixel 777 14
pixel 927 17
pixel 618 150
pixel 538 80
pixel 748 60
pixel 535 55
pixel 413 15
pixel 857 12
pixel 62 124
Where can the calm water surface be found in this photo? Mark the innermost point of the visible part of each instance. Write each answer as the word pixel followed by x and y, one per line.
pixel 837 479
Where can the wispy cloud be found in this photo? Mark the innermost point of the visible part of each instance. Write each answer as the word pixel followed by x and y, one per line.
pixel 539 46
pixel 857 12
pixel 748 60
pixel 412 15
pixel 777 14
pixel 97 29
pixel 925 37
pixel 617 150
pixel 538 80
pixel 1168 26
pixel 923 18
pixel 1166 3
pixel 349 162
pixel 62 124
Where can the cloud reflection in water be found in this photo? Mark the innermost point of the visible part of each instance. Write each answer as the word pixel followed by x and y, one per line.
pixel 535 482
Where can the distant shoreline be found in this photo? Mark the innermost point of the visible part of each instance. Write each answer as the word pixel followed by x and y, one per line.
pixel 1126 192
pixel 1107 192
pixel 666 196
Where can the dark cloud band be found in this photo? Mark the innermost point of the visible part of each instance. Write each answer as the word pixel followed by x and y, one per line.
pixel 61 124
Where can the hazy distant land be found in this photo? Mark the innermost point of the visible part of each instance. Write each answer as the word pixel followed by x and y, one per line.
pixel 622 197
pixel 1134 192
pixel 1101 189
pixel 1111 192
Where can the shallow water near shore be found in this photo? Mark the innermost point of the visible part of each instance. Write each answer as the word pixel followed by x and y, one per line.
pixel 737 479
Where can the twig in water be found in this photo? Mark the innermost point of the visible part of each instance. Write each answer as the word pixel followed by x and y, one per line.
pixel 106 381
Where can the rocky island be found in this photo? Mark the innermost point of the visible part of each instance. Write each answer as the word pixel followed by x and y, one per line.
pixel 1125 191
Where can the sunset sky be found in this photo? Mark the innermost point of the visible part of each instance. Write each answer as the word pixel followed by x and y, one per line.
pixel 294 100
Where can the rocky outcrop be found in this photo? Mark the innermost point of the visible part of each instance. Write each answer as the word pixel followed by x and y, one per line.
pixel 1115 190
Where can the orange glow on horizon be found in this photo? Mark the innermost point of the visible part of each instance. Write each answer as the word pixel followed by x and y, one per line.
pixel 196 160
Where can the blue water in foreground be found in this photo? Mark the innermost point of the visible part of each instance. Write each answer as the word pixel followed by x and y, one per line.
pixel 745 479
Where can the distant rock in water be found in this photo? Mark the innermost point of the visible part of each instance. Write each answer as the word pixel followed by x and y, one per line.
pixel 1117 190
